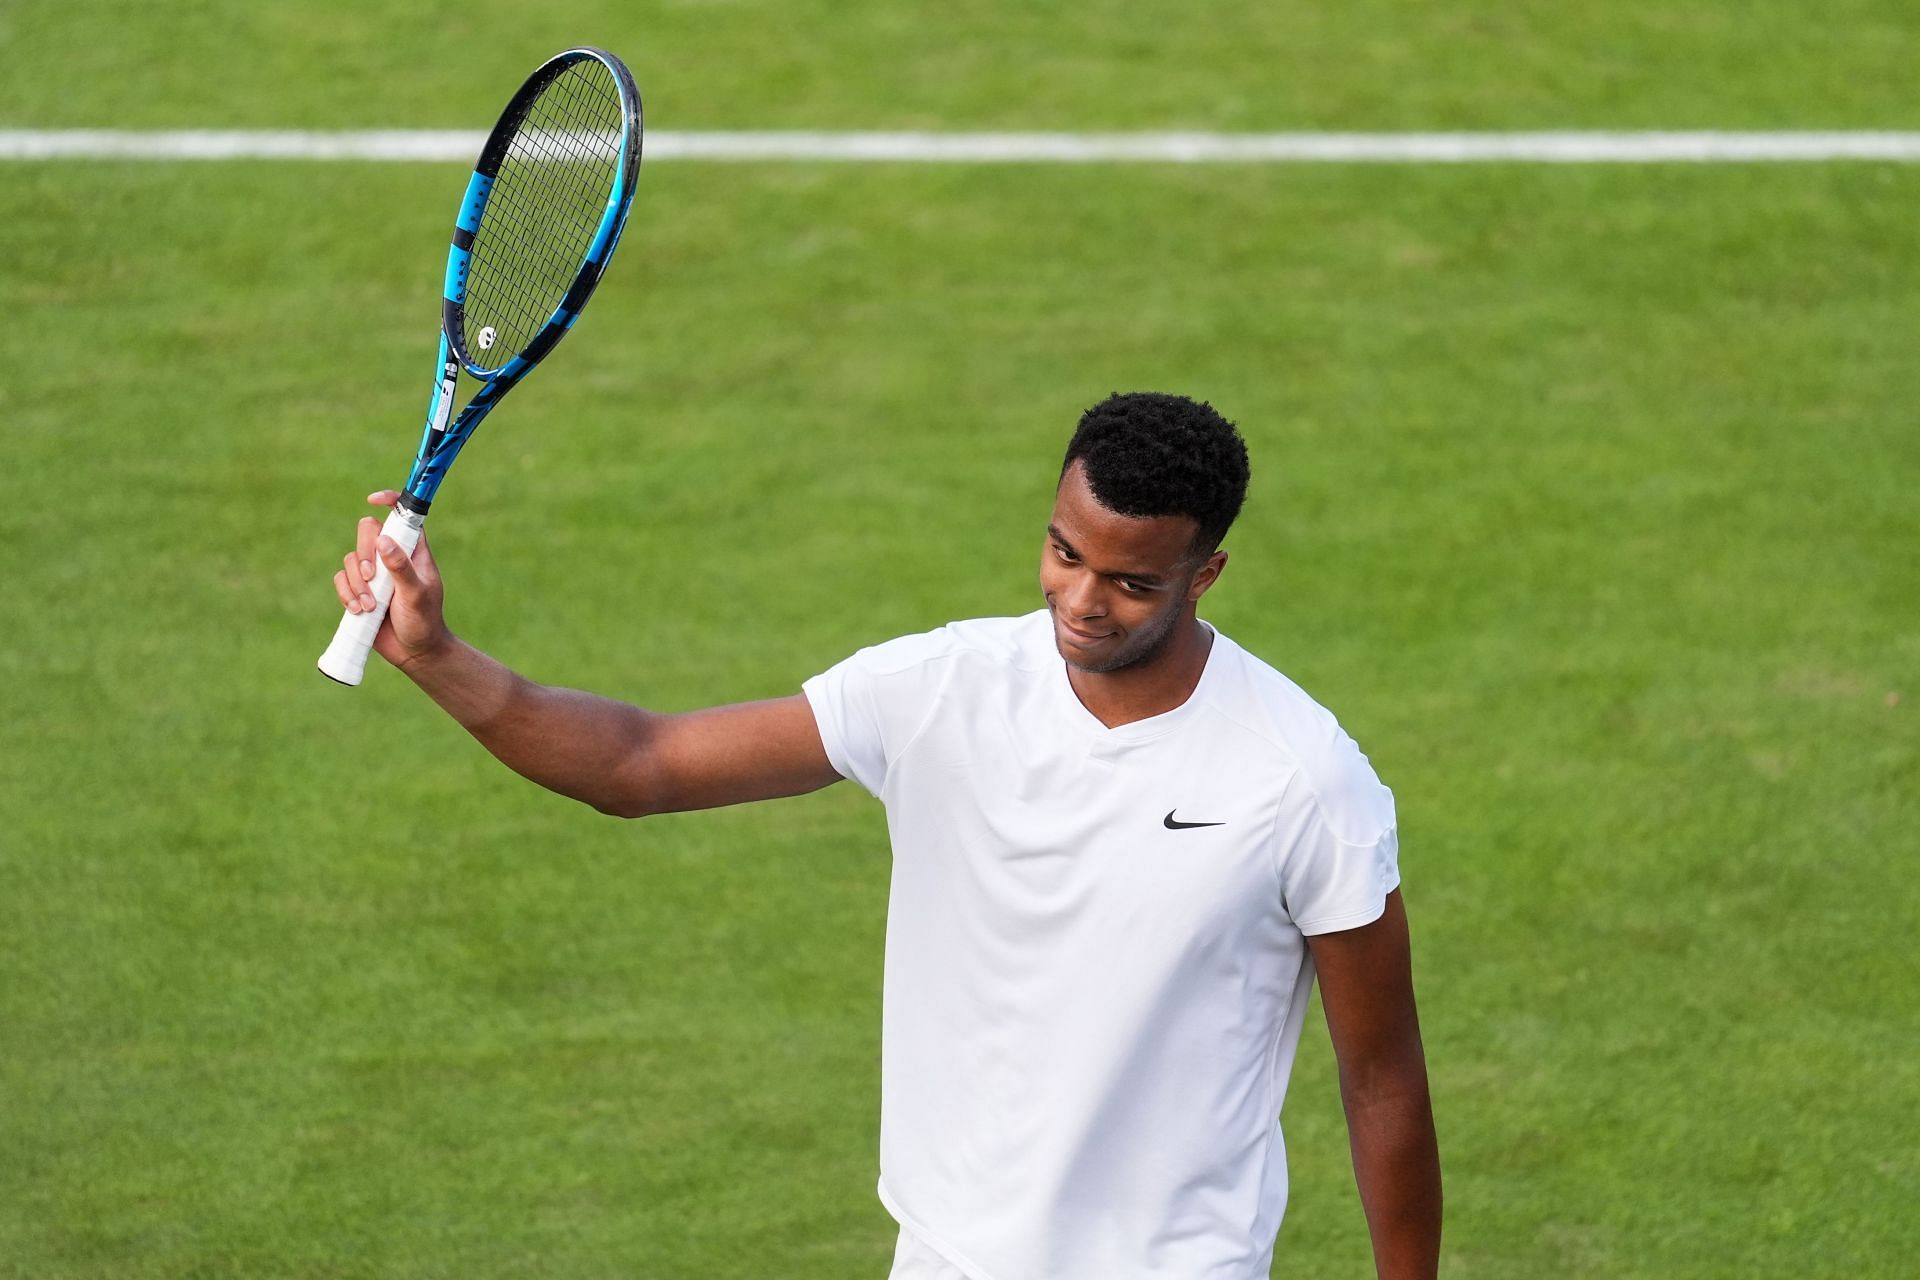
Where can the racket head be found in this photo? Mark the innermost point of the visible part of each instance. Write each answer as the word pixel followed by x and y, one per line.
pixel 543 212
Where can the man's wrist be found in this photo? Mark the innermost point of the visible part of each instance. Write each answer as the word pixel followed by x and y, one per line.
pixel 467 684
pixel 420 661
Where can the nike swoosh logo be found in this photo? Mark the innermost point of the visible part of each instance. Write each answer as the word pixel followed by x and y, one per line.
pixel 1173 825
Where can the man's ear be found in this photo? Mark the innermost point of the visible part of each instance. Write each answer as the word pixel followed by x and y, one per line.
pixel 1206 576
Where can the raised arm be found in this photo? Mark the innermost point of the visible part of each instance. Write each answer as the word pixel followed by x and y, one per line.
pixel 618 758
pixel 1366 987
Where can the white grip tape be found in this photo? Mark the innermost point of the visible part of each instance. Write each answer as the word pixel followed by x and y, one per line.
pixel 346 658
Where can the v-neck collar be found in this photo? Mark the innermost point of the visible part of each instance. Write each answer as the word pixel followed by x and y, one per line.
pixel 1133 731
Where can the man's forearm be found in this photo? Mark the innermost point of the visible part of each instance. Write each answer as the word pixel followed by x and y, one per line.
pixel 579 744
pixel 1396 1162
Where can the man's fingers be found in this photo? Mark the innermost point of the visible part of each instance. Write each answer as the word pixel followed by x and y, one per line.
pixel 365 534
pixel 423 560
pixel 354 583
pixel 356 579
pixel 398 564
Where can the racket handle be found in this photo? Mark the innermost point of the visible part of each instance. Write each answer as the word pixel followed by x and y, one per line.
pixel 346 658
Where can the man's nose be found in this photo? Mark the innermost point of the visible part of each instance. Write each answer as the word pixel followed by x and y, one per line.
pixel 1084 597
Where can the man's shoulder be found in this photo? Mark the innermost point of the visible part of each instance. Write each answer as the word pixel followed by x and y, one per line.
pixel 1303 736
pixel 1265 700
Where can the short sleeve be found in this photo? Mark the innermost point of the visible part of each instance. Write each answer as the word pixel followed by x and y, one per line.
pixel 1339 845
pixel 871 705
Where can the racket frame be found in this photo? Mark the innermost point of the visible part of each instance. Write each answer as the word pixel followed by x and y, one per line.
pixel 445 431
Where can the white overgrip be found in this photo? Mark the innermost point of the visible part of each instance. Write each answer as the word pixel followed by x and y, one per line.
pixel 346 658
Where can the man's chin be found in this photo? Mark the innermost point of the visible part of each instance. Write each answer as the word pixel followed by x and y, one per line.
pixel 1094 660
pixel 1111 653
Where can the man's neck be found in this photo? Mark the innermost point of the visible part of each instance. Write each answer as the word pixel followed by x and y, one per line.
pixel 1149 688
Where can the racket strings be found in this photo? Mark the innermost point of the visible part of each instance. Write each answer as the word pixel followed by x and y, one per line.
pixel 547 203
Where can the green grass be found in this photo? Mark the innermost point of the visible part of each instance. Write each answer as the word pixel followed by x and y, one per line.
pixel 1577 494
pixel 1367 64
pixel 1584 496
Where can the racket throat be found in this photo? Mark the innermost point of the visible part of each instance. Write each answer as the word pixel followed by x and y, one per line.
pixel 441 412
pixel 439 417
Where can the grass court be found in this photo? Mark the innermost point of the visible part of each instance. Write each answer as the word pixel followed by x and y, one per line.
pixel 1585 496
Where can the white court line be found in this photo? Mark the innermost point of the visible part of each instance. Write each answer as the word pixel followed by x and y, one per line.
pixel 1574 147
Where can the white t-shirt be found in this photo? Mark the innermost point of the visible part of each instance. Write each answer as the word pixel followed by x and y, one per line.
pixel 1096 964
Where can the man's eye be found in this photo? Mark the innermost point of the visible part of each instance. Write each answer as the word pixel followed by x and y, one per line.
pixel 1065 554
pixel 1131 588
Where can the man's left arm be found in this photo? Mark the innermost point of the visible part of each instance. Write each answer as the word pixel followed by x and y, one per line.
pixel 1366 987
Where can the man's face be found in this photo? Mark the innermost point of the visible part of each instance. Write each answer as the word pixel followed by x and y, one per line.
pixel 1117 585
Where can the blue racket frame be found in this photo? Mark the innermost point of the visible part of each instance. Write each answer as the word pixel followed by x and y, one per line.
pixel 446 432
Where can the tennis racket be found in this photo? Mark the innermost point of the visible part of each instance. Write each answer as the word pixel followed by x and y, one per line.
pixel 540 219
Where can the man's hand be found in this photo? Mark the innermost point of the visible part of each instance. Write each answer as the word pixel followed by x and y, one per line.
pixel 414 626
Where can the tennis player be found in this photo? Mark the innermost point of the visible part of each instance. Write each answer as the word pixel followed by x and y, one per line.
pixel 1123 847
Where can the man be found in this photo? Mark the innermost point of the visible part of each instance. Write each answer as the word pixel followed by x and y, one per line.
pixel 1123 846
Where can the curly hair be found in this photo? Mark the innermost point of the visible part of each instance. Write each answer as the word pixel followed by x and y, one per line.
pixel 1148 454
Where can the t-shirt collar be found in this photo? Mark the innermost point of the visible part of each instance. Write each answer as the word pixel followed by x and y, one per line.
pixel 1054 671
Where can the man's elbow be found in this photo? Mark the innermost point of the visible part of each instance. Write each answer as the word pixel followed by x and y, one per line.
pixel 631 794
pixel 634 802
pixel 624 807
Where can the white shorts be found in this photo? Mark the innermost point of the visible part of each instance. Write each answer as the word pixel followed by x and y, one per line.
pixel 912 1260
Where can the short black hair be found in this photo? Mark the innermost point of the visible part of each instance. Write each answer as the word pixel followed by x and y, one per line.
pixel 1149 454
